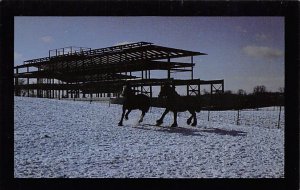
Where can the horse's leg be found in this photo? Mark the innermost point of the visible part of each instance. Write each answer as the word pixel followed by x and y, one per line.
pixel 121 121
pixel 126 115
pixel 175 119
pixel 142 116
pixel 195 118
pixel 160 121
pixel 189 120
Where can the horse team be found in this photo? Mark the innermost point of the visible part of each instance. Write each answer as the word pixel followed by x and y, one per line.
pixel 173 102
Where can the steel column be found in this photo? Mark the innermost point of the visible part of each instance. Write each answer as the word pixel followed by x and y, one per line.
pixel 192 67
pixel 17 84
pixel 27 82
pixel 169 69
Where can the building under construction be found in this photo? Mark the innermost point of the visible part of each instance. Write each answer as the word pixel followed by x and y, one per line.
pixel 77 72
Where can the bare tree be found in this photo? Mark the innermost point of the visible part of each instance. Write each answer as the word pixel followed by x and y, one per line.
pixel 20 92
pixel 205 92
pixel 241 92
pixel 21 81
pixel 228 92
pixel 281 89
pixel 259 89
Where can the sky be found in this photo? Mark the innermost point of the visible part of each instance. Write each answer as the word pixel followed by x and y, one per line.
pixel 244 51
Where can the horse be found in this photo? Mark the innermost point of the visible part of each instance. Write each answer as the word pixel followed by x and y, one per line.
pixel 133 102
pixel 176 103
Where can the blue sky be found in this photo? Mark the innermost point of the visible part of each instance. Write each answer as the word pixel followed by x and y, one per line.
pixel 244 51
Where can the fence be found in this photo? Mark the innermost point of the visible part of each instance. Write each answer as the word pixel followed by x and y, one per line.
pixel 270 117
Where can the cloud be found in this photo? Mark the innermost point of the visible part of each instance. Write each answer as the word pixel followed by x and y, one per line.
pixel 46 39
pixel 262 52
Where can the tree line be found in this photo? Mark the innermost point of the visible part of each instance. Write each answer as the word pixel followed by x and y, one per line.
pixel 260 97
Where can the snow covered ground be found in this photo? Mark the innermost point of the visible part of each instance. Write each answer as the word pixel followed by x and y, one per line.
pixel 72 139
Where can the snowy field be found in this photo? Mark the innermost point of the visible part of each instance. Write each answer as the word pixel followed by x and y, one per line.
pixel 72 139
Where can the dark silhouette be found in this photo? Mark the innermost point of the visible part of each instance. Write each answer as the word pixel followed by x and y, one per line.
pixel 176 103
pixel 259 90
pixel 132 102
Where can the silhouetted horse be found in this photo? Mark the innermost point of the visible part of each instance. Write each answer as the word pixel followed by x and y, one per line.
pixel 176 103
pixel 132 102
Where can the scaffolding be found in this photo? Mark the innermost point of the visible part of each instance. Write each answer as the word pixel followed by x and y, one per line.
pixel 74 72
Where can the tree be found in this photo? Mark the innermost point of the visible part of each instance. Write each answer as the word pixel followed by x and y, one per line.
pixel 259 89
pixel 281 89
pixel 21 81
pixel 241 92
pixel 18 90
pixel 228 92
pixel 205 92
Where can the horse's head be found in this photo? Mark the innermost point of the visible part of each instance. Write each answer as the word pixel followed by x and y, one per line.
pixel 127 91
pixel 165 91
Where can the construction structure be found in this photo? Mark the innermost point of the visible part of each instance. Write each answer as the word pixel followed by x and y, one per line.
pixel 78 72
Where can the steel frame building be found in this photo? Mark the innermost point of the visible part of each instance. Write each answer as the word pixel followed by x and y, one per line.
pixel 74 72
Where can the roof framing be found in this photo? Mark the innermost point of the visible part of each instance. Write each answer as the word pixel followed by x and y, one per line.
pixel 110 55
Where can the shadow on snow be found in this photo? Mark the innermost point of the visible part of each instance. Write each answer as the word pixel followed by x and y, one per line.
pixel 192 132
pixel 224 132
pixel 167 129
